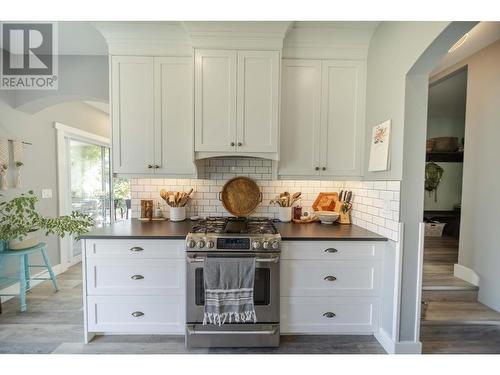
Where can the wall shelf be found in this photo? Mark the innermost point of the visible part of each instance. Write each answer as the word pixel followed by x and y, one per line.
pixel 446 157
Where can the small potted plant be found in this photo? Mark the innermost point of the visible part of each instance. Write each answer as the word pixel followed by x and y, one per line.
pixel 285 202
pixel 21 225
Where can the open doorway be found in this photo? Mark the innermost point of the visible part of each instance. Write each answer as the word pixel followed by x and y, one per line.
pixel 450 297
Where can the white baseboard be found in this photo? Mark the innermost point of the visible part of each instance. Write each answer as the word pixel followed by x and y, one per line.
pixel 466 274
pixel 14 288
pixel 397 347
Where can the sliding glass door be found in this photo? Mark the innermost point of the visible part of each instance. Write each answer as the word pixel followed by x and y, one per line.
pixel 90 184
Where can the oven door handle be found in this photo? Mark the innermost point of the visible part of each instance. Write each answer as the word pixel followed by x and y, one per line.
pixel 192 331
pixel 257 260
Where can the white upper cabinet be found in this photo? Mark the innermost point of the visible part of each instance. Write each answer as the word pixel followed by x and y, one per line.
pixel 152 115
pixel 132 107
pixel 322 127
pixel 258 101
pixel 342 130
pixel 236 101
pixel 174 115
pixel 215 100
pixel 300 117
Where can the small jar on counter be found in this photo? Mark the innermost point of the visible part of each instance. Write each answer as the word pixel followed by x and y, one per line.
pixel 297 212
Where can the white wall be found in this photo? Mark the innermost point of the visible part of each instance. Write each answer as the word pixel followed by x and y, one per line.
pixel 40 170
pixel 394 48
pixel 480 224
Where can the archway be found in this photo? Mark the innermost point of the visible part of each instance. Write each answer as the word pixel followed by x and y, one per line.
pixel 412 185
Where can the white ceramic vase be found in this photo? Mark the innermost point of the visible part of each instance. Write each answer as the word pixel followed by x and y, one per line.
pixel 177 213
pixel 285 214
pixel 30 240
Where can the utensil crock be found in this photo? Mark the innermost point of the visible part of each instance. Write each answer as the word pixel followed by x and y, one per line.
pixel 177 213
pixel 285 214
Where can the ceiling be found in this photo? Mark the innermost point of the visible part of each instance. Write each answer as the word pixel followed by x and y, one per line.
pixel 91 42
pixel 447 97
pixel 80 38
pixel 481 36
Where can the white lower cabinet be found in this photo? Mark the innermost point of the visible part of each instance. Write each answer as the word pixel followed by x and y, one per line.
pixel 330 287
pixel 136 314
pixel 327 315
pixel 134 286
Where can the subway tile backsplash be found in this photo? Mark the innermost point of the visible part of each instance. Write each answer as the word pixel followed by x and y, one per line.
pixel 375 203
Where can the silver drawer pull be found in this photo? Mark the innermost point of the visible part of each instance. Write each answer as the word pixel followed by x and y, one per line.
pixel 137 277
pixel 136 248
pixel 137 314
pixel 257 260
pixel 331 250
pixel 330 278
pixel 192 331
pixel 329 314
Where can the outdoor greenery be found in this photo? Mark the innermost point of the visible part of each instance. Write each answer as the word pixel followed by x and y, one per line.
pixel 19 216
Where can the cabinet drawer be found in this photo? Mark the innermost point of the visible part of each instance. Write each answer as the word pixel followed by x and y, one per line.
pixel 329 278
pixel 332 250
pixel 136 249
pixel 136 314
pixel 320 315
pixel 111 276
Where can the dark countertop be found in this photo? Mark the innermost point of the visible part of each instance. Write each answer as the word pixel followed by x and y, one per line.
pixel 289 231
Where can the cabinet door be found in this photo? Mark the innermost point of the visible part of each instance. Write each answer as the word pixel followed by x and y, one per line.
pixel 342 110
pixel 258 101
pixel 132 114
pixel 174 115
pixel 300 118
pixel 215 100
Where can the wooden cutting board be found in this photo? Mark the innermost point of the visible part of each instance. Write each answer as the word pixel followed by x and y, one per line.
pixel 326 201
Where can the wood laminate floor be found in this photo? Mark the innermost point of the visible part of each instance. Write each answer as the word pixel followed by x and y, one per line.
pixel 54 324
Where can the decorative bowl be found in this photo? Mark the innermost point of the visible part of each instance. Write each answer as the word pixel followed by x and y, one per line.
pixel 327 217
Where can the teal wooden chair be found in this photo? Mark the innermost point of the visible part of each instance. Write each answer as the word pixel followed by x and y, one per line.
pixel 24 269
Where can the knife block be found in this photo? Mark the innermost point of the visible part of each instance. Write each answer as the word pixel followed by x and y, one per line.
pixel 345 217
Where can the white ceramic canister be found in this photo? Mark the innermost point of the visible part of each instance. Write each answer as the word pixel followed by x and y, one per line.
pixel 177 213
pixel 285 214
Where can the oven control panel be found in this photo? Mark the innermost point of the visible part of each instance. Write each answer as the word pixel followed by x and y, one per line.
pixel 198 242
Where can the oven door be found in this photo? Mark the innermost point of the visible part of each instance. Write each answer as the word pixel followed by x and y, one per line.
pixel 266 286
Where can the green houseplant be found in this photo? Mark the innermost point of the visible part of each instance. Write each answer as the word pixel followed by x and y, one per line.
pixel 21 224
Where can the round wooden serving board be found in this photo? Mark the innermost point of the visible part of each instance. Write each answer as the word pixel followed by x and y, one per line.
pixel 240 196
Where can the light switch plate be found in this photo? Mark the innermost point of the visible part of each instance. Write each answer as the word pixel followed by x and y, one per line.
pixel 46 193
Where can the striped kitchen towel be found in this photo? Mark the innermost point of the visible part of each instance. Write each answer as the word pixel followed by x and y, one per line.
pixel 229 283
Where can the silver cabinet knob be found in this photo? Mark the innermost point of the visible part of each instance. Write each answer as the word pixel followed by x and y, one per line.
pixel 136 248
pixel 275 245
pixel 191 244
pixel 329 314
pixel 201 244
pixel 265 245
pixel 157 166
pixel 137 314
pixel 256 244
pixel 316 169
pixel 210 244
pixel 331 250
pixel 137 277
pixel 240 144
pixel 330 278
pixel 323 169
pixel 232 144
pixel 150 166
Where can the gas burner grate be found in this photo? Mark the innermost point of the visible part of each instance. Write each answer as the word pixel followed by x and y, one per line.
pixel 235 225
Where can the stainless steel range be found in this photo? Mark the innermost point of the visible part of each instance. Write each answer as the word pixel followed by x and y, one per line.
pixel 226 237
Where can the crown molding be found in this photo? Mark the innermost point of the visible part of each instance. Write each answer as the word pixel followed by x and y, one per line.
pixel 145 38
pixel 262 35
